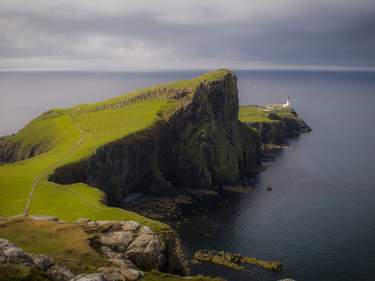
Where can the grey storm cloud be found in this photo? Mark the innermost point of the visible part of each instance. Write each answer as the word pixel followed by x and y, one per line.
pixel 116 34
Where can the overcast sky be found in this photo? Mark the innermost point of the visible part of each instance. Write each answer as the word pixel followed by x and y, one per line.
pixel 179 34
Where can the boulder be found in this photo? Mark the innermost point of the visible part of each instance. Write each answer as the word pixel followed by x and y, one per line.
pixel 122 262
pixel 99 226
pixel 111 254
pixel 145 230
pixel 120 273
pixel 130 226
pixel 4 243
pixel 42 261
pixel 117 240
pixel 44 218
pixel 146 252
pixel 89 277
pixel 59 273
pixel 14 254
pixel 82 221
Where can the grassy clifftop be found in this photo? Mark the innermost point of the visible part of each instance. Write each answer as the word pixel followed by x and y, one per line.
pixel 63 136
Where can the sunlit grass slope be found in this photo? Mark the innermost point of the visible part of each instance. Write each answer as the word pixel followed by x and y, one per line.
pixel 73 134
pixel 257 113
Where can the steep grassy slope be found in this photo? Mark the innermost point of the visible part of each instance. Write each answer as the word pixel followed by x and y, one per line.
pixel 63 136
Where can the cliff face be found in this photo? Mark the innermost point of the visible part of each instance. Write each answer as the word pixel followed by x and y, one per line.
pixel 274 124
pixel 11 151
pixel 270 132
pixel 201 145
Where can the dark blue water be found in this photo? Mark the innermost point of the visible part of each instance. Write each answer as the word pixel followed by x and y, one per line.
pixel 319 220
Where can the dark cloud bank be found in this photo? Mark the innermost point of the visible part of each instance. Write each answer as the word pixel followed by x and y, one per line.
pixel 187 34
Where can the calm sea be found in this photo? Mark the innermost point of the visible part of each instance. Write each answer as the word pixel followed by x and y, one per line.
pixel 319 219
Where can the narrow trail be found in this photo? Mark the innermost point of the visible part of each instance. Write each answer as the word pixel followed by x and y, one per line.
pixel 44 174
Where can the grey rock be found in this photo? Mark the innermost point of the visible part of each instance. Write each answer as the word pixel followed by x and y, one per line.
pixel 16 255
pixel 82 221
pixel 122 262
pixel 42 261
pixel 106 225
pixel 130 226
pixel 145 252
pixel 112 254
pixel 44 218
pixel 117 240
pixel 120 273
pixel 145 230
pixel 5 243
pixel 59 273
pixel 89 277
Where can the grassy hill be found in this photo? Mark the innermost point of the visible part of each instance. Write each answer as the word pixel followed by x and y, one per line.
pixel 261 114
pixel 68 135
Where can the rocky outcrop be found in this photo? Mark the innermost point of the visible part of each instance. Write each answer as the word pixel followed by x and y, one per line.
pixel 129 245
pixel 271 132
pixel 128 248
pixel 235 261
pixel 280 127
pixel 11 255
pixel 202 145
pixel 11 151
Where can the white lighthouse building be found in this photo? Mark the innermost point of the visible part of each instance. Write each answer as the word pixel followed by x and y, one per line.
pixel 288 103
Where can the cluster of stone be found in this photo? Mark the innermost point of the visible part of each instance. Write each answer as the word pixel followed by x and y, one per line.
pixel 11 254
pixel 128 247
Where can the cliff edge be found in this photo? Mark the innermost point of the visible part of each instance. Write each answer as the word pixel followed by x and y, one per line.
pixel 198 144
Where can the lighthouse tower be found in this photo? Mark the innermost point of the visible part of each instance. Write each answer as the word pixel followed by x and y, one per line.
pixel 288 103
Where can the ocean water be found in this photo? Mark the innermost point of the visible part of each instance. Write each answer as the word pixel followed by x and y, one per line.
pixel 319 219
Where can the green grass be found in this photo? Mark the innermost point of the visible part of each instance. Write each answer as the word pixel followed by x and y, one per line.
pixel 74 134
pixel 17 272
pixel 66 243
pixel 256 113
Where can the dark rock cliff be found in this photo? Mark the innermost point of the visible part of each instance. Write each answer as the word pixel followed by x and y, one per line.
pixel 11 151
pixel 201 146
pixel 270 132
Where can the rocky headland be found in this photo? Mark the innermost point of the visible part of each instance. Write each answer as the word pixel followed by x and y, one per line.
pixel 198 141
pixel 200 145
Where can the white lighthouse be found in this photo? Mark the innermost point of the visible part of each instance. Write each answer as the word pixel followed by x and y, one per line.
pixel 288 103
